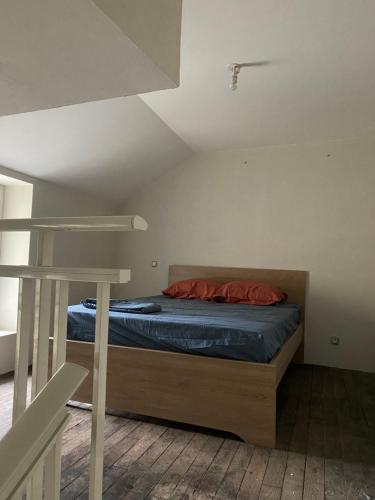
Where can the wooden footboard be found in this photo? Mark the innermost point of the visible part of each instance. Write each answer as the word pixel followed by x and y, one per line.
pixel 234 396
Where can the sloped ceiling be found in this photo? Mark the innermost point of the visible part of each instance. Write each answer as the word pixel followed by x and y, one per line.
pixel 319 83
pixel 55 53
pixel 108 148
pixel 63 67
pixel 154 26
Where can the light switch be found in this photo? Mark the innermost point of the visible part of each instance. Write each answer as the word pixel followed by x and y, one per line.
pixel 154 263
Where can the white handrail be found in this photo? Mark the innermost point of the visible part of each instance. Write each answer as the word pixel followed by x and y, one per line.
pixel 97 223
pixel 33 434
pixel 83 274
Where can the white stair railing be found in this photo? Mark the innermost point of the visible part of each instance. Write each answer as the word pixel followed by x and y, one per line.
pixel 35 296
pixel 30 439
pixel 62 277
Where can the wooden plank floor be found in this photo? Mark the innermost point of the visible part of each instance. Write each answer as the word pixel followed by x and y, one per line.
pixel 326 448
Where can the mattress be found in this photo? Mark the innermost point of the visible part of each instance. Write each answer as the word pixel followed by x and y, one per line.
pixel 233 331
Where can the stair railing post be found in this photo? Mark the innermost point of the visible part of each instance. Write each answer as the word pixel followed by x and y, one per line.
pixel 53 462
pixel 99 391
pixel 23 344
pixel 43 292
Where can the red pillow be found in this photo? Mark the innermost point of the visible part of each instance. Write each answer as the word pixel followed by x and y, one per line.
pixel 250 292
pixel 193 289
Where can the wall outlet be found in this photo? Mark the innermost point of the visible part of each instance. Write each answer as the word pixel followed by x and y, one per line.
pixel 154 263
pixel 335 340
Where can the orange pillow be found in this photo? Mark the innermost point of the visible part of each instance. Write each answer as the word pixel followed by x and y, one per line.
pixel 193 289
pixel 250 292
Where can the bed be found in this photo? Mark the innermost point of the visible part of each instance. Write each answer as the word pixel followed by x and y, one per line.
pixel 207 364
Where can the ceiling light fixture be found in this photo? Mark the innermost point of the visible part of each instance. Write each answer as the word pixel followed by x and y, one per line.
pixel 235 69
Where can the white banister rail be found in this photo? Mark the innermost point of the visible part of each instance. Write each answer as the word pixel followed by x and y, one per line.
pixel 83 274
pixel 97 223
pixel 31 437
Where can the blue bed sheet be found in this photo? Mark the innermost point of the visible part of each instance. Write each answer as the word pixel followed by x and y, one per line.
pixel 234 331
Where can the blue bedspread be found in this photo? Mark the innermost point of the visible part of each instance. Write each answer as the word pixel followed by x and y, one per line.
pixel 243 332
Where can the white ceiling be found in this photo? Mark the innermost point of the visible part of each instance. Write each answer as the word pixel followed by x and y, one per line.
pixel 108 148
pixel 320 83
pixel 55 53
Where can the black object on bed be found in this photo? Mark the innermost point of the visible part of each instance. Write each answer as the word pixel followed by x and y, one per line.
pixel 234 331
pixel 125 306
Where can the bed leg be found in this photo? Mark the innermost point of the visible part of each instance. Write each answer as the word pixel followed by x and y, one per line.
pixel 261 430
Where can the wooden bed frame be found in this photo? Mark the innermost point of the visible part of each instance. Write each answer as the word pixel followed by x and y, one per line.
pixel 234 396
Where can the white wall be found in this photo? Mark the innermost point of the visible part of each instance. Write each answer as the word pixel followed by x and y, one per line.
pixel 306 207
pixel 74 249
pixel 14 250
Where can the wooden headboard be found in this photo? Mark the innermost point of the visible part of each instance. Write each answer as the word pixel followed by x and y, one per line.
pixel 294 283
